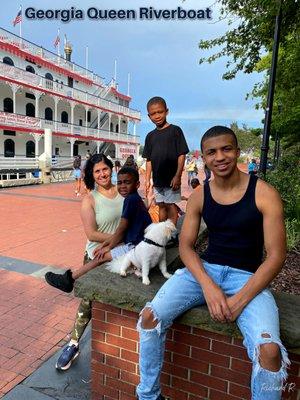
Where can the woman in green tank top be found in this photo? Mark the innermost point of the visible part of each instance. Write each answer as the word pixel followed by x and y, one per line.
pixel 101 212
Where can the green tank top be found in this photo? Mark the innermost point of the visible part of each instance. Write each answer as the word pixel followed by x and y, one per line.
pixel 108 214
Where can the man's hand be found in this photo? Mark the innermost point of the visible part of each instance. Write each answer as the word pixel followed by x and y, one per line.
pixel 235 306
pixel 175 182
pixel 216 302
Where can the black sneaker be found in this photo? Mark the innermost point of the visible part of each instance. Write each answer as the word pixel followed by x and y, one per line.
pixel 63 282
pixel 68 355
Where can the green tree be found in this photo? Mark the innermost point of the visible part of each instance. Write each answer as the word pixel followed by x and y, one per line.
pixel 252 29
pixel 248 139
pixel 286 111
pixel 248 44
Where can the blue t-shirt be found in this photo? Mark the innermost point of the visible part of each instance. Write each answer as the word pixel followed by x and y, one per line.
pixel 252 167
pixel 135 211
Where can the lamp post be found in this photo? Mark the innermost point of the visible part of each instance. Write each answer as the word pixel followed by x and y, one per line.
pixel 277 140
pixel 269 108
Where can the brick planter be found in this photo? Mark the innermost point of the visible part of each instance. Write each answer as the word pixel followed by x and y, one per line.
pixel 198 364
pixel 203 359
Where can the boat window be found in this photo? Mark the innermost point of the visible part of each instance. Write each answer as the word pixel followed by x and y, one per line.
pixel 64 117
pixel 8 61
pixel 8 105
pixel 30 110
pixel 75 149
pixel 29 68
pixel 49 114
pixel 9 148
pixel 9 133
pixel 49 76
pixel 30 149
pixel 89 116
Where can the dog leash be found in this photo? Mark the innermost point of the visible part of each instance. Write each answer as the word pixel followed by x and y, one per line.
pixel 149 241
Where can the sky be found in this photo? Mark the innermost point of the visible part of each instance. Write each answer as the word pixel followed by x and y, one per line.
pixel 161 56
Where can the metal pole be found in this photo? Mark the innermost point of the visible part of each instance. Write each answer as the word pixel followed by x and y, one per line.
pixel 268 114
pixel 86 59
pixel 128 84
pixel 115 75
pixel 275 147
pixel 278 149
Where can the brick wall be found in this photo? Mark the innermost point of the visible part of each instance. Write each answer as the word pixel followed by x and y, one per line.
pixel 198 364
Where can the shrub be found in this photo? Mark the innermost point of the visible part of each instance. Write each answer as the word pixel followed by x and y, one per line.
pixel 285 178
pixel 292 233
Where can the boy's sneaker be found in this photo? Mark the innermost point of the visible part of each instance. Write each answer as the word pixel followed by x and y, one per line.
pixel 161 397
pixel 63 282
pixel 68 355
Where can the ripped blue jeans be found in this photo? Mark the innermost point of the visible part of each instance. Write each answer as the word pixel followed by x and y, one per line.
pixel 258 322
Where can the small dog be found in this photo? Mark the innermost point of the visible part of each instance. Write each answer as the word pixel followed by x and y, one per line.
pixel 148 253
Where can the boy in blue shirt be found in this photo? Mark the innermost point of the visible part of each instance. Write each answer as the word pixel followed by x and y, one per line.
pixel 130 232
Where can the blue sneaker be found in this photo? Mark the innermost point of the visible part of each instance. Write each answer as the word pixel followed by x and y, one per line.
pixel 68 355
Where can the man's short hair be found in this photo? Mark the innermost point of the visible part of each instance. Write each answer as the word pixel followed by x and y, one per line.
pixel 215 131
pixel 130 171
pixel 155 100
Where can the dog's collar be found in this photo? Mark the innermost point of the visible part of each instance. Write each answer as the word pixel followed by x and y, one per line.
pixel 149 241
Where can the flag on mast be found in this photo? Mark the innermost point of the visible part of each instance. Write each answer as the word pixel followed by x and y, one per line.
pixel 57 39
pixel 18 18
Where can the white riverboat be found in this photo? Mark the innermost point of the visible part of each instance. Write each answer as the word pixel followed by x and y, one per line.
pixel 40 92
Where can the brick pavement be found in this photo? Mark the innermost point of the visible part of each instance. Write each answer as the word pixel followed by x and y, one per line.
pixel 39 224
pixel 35 318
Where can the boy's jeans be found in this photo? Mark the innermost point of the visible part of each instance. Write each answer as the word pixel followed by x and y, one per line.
pixel 182 292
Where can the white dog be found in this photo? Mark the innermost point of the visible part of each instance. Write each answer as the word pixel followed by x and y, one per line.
pixel 148 253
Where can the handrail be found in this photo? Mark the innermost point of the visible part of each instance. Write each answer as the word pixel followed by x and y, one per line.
pixel 39 81
pixel 11 120
pixel 18 162
pixel 48 55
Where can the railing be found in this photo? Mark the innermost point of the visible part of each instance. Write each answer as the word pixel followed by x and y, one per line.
pixel 62 162
pixel 26 77
pixel 47 55
pixel 22 121
pixel 18 163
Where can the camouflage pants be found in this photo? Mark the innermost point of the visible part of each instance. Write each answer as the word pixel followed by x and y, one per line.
pixel 83 315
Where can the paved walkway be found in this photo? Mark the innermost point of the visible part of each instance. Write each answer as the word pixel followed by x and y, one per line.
pixel 40 230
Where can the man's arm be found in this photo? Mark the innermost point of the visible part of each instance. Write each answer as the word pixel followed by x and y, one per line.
pixel 269 203
pixel 214 296
pixel 88 219
pixel 148 176
pixel 176 181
